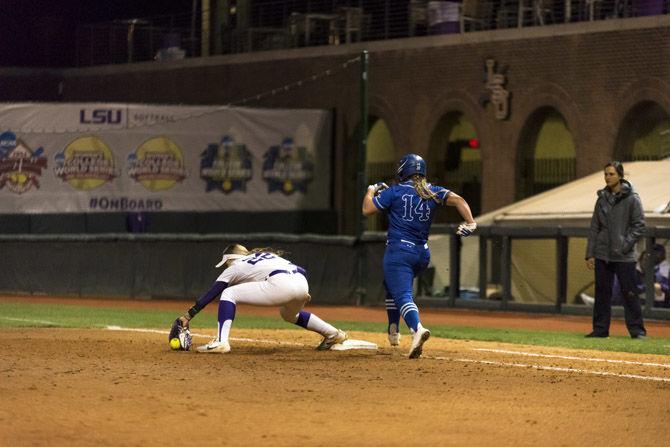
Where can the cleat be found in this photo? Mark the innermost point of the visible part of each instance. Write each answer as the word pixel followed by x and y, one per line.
pixel 215 347
pixel 394 335
pixel 329 341
pixel 418 339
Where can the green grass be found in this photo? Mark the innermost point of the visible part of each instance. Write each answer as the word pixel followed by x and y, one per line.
pixel 15 315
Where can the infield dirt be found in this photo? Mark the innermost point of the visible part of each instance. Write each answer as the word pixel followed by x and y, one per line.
pixel 99 387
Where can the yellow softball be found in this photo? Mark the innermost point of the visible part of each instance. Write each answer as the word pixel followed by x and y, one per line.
pixel 174 344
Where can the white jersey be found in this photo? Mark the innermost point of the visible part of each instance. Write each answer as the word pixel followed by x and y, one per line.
pixel 255 267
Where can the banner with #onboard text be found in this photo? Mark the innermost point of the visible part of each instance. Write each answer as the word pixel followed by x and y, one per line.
pixel 88 157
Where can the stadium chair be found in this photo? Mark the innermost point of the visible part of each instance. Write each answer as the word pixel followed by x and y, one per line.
pixel 476 13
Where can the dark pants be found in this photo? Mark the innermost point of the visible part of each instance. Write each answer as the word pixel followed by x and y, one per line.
pixel 602 310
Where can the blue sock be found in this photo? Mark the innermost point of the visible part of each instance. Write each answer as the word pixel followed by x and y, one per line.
pixel 303 319
pixel 226 312
pixel 410 313
pixel 392 312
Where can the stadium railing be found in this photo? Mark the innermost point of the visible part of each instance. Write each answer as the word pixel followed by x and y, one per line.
pixel 504 236
pixel 283 24
pixel 341 269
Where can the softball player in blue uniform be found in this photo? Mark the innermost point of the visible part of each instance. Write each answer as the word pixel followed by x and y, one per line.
pixel 410 206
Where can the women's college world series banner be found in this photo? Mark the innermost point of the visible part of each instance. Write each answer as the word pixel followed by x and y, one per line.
pixel 87 157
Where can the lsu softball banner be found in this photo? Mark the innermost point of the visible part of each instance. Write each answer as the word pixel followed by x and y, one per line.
pixel 126 157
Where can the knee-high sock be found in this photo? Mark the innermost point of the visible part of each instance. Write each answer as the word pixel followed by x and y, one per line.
pixel 226 317
pixel 393 314
pixel 410 314
pixel 313 323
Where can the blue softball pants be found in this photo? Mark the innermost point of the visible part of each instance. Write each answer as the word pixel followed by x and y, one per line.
pixel 403 261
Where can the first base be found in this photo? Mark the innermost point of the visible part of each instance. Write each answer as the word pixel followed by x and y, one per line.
pixel 353 344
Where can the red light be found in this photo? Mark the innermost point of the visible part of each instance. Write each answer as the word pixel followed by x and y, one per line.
pixel 473 143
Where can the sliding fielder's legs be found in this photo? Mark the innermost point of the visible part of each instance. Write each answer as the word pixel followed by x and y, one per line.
pixel 289 291
pixel 292 313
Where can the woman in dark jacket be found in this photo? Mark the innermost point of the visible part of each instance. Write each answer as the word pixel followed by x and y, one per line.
pixel 616 225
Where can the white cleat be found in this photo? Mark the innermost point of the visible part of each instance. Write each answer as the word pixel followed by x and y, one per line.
pixel 394 335
pixel 418 339
pixel 215 347
pixel 329 341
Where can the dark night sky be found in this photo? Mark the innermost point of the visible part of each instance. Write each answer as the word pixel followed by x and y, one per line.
pixel 42 32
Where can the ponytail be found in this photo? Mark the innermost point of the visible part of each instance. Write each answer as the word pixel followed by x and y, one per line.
pixel 422 189
pixel 271 250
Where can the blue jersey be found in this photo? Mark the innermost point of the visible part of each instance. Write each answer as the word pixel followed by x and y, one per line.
pixel 410 216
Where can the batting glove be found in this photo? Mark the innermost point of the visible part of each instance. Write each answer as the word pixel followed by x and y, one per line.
pixel 377 188
pixel 466 229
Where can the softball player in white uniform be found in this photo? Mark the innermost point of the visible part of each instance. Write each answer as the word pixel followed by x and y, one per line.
pixel 262 278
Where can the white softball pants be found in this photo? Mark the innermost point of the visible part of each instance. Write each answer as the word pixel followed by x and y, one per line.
pixel 290 291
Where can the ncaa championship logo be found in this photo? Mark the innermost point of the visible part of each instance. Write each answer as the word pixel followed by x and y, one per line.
pixel 288 168
pixel 226 166
pixel 85 163
pixel 20 167
pixel 157 164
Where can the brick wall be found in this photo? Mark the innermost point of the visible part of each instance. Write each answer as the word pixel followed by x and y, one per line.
pixel 592 73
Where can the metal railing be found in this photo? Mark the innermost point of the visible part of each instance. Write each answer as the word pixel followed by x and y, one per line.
pixel 284 24
pixel 504 236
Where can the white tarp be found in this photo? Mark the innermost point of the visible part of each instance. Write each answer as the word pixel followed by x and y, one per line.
pixel 570 205
pixel 97 157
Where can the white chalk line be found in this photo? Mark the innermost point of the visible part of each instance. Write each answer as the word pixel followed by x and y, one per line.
pixel 250 340
pixel 568 357
pixel 486 362
pixel 559 369
pixel 26 320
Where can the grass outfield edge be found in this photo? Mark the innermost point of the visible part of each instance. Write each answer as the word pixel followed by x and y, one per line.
pixel 17 315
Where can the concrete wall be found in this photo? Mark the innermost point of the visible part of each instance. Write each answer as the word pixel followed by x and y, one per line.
pixel 592 73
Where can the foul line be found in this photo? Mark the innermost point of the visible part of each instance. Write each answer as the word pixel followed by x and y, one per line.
pixel 158 331
pixel 559 369
pixel 485 362
pixel 568 357
pixel 51 323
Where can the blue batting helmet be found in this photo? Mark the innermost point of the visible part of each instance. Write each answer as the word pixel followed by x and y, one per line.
pixel 409 165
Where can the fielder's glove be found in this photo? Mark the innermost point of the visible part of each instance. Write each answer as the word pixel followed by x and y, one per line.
pixel 377 188
pixel 466 229
pixel 181 331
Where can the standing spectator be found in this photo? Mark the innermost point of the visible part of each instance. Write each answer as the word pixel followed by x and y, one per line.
pixel 616 225
pixel 411 206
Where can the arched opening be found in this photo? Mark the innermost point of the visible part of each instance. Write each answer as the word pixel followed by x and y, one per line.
pixel 644 134
pixel 380 163
pixel 546 153
pixel 454 161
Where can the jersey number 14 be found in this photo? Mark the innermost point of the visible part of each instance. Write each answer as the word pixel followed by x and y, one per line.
pixel 420 209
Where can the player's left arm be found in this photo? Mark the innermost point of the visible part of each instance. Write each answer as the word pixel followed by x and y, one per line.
pixel 461 205
pixel 467 228
pixel 216 290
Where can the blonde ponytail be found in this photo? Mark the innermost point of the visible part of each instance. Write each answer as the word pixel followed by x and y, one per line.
pixel 422 189
pixel 274 251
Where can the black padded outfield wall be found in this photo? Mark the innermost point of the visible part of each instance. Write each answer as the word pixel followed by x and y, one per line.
pixel 304 221
pixel 170 266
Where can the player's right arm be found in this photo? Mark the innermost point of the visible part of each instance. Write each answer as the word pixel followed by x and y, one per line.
pixel 373 193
